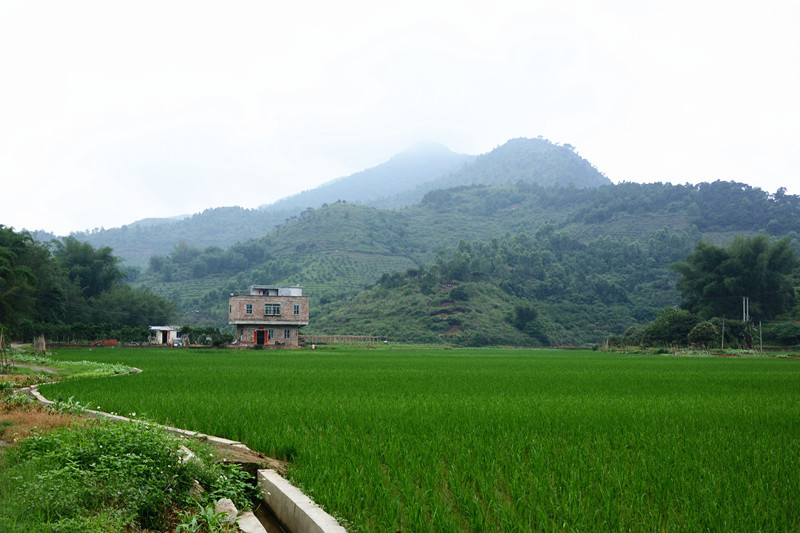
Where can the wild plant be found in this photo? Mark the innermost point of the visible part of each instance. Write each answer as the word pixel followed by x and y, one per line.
pixel 204 519
pixel 17 400
pixel 70 406
pixel 130 473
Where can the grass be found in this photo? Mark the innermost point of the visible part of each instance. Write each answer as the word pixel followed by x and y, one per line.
pixel 66 473
pixel 506 440
pixel 103 477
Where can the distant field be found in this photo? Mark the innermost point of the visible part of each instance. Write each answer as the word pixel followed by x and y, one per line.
pixel 492 440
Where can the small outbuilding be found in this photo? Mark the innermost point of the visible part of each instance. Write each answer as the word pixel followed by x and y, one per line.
pixel 269 315
pixel 165 335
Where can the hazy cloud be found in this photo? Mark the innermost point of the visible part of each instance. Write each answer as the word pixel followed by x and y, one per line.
pixel 111 112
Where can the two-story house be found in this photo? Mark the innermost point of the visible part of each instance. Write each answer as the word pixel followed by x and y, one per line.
pixel 268 315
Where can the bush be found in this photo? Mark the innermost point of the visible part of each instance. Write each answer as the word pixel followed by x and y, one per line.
pixel 703 334
pixel 127 476
pixel 671 327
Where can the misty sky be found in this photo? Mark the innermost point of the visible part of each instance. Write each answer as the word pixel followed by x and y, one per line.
pixel 115 111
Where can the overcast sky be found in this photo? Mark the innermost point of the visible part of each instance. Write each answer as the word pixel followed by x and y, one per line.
pixel 115 111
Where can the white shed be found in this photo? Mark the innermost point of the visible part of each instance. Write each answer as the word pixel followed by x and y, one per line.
pixel 166 335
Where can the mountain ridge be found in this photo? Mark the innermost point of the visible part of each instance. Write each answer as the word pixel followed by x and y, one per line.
pixel 399 182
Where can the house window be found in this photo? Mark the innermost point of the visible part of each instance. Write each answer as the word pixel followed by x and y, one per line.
pixel 287 334
pixel 272 309
pixel 297 309
pixel 270 334
pixel 248 308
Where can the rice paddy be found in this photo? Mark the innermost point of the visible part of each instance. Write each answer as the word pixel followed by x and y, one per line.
pixel 491 440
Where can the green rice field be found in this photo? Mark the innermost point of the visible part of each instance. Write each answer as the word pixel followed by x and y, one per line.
pixel 491 439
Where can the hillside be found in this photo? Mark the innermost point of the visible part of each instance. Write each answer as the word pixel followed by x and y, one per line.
pixel 402 181
pixel 600 259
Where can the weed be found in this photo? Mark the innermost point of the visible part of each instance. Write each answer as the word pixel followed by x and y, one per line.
pixel 105 476
pixel 17 400
pixel 206 519
pixel 70 406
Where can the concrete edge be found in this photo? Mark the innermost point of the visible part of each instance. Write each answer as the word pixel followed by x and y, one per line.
pixel 290 505
pixel 294 509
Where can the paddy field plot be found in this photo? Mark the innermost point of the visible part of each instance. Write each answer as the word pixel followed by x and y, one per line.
pixel 491 440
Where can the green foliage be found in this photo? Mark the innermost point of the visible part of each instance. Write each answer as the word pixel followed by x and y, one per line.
pixel 783 333
pixel 104 477
pixel 41 291
pixel 703 334
pixel 17 277
pixel 524 315
pixel 204 519
pixel 94 270
pixel 17 400
pixel 81 333
pixel 670 328
pixel 523 290
pixel 714 280
pixel 207 336
pixel 69 406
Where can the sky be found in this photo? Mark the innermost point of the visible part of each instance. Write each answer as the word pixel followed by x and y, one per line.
pixel 111 112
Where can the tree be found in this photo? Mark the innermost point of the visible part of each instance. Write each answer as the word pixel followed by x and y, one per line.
pixel 703 334
pixel 523 315
pixel 713 280
pixel 125 305
pixel 671 327
pixel 94 270
pixel 17 281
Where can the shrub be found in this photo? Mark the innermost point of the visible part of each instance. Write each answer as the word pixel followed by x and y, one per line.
pixel 128 475
pixel 703 334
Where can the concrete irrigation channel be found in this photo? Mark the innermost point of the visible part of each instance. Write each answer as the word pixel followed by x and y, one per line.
pixel 286 509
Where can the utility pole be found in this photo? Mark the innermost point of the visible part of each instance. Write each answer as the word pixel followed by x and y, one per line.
pixel 745 308
pixel 723 333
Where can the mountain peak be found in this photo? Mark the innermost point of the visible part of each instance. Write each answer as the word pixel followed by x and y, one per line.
pixel 426 148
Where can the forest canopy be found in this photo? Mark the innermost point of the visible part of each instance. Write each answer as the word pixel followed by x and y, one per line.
pixel 714 280
pixel 68 282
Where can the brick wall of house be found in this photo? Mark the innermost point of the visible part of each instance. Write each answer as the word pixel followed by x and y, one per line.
pixel 238 310
pixel 247 335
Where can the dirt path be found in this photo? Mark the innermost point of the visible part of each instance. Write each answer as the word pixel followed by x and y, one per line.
pixel 35 368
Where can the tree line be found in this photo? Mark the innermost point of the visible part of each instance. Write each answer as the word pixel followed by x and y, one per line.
pixel 66 283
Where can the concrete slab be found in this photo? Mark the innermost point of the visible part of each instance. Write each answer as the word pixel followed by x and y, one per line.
pixel 294 509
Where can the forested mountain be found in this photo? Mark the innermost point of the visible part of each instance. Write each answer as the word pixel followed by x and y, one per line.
pixel 528 244
pixel 590 262
pixel 400 182
pixel 221 226
pixel 535 161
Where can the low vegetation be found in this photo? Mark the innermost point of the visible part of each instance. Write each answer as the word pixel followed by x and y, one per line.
pixel 67 473
pixel 455 440
pixel 104 477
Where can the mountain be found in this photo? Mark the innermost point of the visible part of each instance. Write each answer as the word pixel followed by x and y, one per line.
pixel 591 261
pixel 419 164
pixel 536 161
pixel 402 181
pixel 220 227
